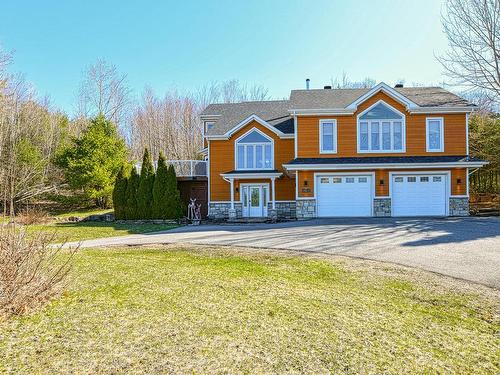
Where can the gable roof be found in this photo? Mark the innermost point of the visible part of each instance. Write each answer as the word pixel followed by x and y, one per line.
pixel 343 98
pixel 277 113
pixel 273 112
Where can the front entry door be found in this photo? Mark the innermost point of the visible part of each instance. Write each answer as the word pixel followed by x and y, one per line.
pixel 254 199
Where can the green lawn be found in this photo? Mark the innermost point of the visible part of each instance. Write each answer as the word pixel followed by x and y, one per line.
pixel 175 310
pixel 65 232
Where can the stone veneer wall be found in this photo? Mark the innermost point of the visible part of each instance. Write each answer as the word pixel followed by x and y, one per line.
pixel 382 207
pixel 306 209
pixel 459 206
pixel 285 210
pixel 220 210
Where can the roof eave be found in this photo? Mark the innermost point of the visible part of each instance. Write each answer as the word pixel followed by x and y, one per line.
pixel 298 167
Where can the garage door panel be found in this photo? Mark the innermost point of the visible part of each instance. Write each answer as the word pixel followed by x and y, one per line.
pixel 344 196
pixel 419 195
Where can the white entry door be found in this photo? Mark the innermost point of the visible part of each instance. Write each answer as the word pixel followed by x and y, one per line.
pixel 419 195
pixel 344 195
pixel 254 199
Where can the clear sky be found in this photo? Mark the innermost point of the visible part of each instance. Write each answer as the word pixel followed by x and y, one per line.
pixel 185 44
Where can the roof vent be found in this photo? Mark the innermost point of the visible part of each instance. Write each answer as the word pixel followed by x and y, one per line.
pixel 307 83
pixel 399 85
pixel 327 87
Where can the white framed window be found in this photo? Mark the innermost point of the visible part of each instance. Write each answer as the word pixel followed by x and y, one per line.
pixel 254 150
pixel 208 125
pixel 381 128
pixel 434 127
pixel 328 136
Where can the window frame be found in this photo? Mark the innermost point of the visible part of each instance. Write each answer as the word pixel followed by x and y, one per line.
pixel 369 122
pixel 335 137
pixel 254 144
pixel 441 131
pixel 205 125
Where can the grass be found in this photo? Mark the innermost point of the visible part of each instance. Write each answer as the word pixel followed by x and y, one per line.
pixel 203 310
pixel 66 232
pixel 82 212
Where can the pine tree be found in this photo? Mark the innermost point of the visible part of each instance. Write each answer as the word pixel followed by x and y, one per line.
pixel 174 206
pixel 120 192
pixel 132 186
pixel 160 192
pixel 145 190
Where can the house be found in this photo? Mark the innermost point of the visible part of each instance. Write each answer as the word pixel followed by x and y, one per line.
pixel 340 152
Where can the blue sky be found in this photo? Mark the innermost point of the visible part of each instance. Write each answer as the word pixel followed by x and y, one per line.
pixel 184 44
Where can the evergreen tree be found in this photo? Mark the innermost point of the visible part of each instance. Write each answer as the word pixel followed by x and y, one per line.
pixel 145 190
pixel 174 206
pixel 132 186
pixel 92 162
pixel 120 192
pixel 160 192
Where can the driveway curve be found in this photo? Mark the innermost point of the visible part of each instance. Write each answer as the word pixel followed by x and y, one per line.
pixel 465 248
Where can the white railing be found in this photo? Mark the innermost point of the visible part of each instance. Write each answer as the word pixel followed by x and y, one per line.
pixel 185 168
pixel 189 168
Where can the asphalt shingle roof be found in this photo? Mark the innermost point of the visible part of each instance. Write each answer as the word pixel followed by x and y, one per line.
pixel 276 112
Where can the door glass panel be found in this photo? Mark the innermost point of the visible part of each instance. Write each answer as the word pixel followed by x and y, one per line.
pixel 254 197
pixel 264 195
pixel 245 196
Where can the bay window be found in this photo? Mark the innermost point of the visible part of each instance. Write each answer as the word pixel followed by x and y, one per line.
pixel 254 150
pixel 381 129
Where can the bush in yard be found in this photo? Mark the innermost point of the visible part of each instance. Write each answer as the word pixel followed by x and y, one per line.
pixel 160 192
pixel 174 206
pixel 92 162
pixel 132 186
pixel 120 192
pixel 145 189
pixel 31 272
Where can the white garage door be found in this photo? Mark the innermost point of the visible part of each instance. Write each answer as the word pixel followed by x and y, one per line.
pixel 419 195
pixel 344 195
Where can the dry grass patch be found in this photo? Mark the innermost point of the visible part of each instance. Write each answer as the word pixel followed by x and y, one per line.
pixel 205 310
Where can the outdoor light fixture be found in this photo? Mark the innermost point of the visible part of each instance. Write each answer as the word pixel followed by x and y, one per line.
pixel 306 182
pixel 459 181
pixel 237 190
pixel 381 182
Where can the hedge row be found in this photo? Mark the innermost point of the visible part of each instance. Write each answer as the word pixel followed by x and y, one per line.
pixel 149 195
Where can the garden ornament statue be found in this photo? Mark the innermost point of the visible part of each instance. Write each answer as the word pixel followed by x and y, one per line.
pixel 194 212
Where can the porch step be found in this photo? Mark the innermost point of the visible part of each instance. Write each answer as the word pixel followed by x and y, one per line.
pixel 248 220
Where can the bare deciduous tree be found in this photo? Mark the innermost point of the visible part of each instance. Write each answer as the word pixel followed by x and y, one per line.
pixel 473 31
pixel 104 90
pixel 345 83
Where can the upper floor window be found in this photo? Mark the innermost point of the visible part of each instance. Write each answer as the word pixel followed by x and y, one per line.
pixel 434 134
pixel 328 136
pixel 209 125
pixel 254 150
pixel 381 128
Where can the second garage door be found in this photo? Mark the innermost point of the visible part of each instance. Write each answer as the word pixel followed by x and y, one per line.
pixel 341 195
pixel 419 195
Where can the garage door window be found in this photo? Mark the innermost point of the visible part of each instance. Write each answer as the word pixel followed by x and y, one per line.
pixel 424 179
pixel 362 179
pixel 337 180
pixel 412 179
pixel 324 180
pixel 436 179
pixel 398 179
pixel 349 180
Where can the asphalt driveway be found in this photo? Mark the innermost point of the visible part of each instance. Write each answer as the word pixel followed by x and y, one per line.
pixel 466 248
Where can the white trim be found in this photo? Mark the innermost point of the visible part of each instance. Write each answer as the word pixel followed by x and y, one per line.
pixel 299 167
pixel 245 122
pixel 419 173
pixel 335 136
pixel 439 110
pixel 209 117
pixel 380 121
pixel 255 150
pixel 321 112
pixel 208 172
pixel 441 135
pixel 252 176
pixel 467 134
pixel 331 174
pixel 344 112
pixel 388 91
pixel 295 136
pixel 297 185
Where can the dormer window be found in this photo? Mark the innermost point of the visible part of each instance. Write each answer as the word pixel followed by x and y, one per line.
pixel 381 128
pixel 254 150
pixel 209 125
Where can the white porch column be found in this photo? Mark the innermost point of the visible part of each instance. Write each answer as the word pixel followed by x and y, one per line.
pixel 231 182
pixel 273 179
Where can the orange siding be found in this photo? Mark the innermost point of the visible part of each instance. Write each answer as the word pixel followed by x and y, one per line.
pixel 454 133
pixel 380 174
pixel 222 160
